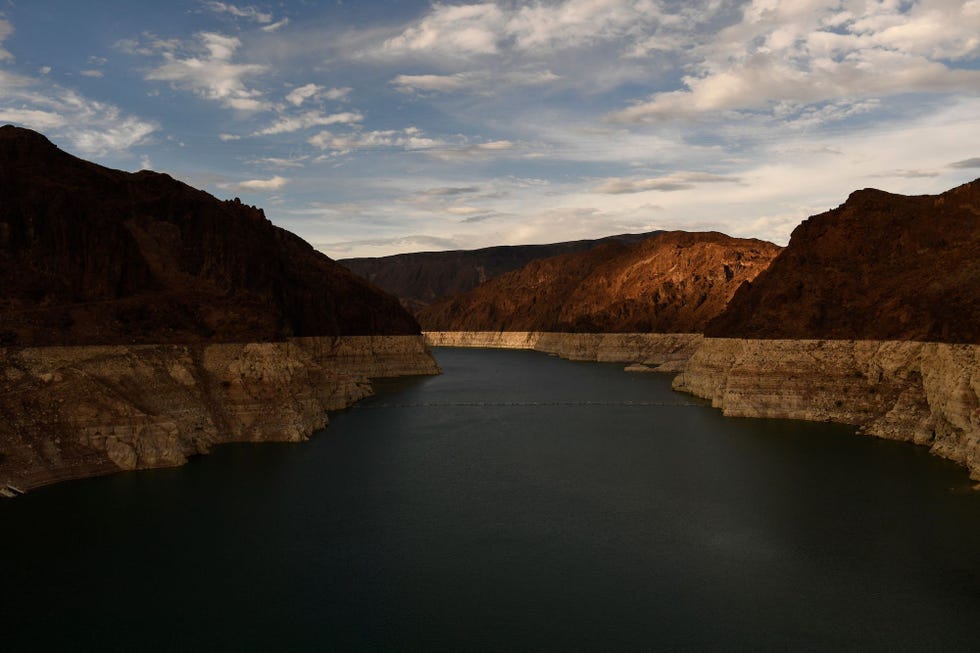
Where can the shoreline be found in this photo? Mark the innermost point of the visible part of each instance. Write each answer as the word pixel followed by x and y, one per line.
pixel 919 392
pixel 79 412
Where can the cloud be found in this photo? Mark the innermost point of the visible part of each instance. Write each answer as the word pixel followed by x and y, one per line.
pixel 445 191
pixel 966 163
pixel 6 29
pixel 410 138
pixel 91 73
pixel 229 137
pixel 309 119
pixel 208 71
pixel 275 183
pixel 450 30
pixel 280 162
pixel 92 127
pixel 275 26
pixel 666 184
pixel 489 28
pixel 250 13
pixel 383 246
pixel 482 82
pixel 907 174
pixel 814 52
pixel 301 94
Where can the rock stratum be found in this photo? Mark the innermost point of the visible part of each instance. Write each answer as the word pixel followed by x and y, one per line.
pixel 90 255
pixel 672 282
pixel 143 321
pixel 926 393
pixel 420 278
pixel 74 412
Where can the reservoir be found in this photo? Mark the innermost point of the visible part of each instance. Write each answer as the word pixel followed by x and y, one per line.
pixel 518 502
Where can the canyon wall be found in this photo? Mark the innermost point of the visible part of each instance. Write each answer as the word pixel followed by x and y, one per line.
pixel 926 393
pixel 74 412
pixel 667 351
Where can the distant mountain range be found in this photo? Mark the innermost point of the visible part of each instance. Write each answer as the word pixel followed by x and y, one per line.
pixel 668 282
pixel 421 278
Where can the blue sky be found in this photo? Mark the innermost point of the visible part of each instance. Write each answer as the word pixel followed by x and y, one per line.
pixel 371 128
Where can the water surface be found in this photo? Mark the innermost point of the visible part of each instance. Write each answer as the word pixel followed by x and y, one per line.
pixel 517 502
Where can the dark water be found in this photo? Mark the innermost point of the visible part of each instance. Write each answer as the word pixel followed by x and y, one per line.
pixel 424 520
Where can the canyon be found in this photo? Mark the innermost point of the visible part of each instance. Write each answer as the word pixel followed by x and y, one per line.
pixel 868 317
pixel 143 321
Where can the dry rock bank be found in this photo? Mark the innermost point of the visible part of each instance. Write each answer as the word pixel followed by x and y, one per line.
pixel 922 392
pixel 666 351
pixel 74 412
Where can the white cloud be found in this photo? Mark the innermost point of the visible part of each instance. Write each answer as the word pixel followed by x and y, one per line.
pixel 410 138
pixel 275 26
pixel 209 72
pixel 481 82
pixel 812 52
pixel 490 28
pixel 250 13
pixel 301 94
pixel 450 30
pixel 91 73
pixel 229 137
pixel 667 183
pixel 275 183
pixel 92 127
pixel 309 119
pixel 44 70
pixel 146 163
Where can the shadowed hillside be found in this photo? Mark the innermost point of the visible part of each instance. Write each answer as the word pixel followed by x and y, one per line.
pixel 93 255
pixel 421 278
pixel 880 267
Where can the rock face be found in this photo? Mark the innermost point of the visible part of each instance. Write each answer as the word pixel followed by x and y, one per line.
pixel 669 283
pixel 421 278
pixel 74 412
pixel 879 267
pixel 667 352
pixel 90 255
pixel 927 393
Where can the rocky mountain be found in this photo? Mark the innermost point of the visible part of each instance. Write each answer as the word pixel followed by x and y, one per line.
pixel 878 267
pixel 421 278
pixel 670 282
pixel 90 255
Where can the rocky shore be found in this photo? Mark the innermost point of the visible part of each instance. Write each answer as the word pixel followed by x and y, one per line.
pixel 665 351
pixel 75 412
pixel 922 392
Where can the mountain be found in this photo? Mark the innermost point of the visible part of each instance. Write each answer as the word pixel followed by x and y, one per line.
pixel 878 267
pixel 669 282
pixel 90 255
pixel 421 278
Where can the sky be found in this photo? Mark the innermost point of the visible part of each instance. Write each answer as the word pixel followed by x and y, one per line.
pixel 380 126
